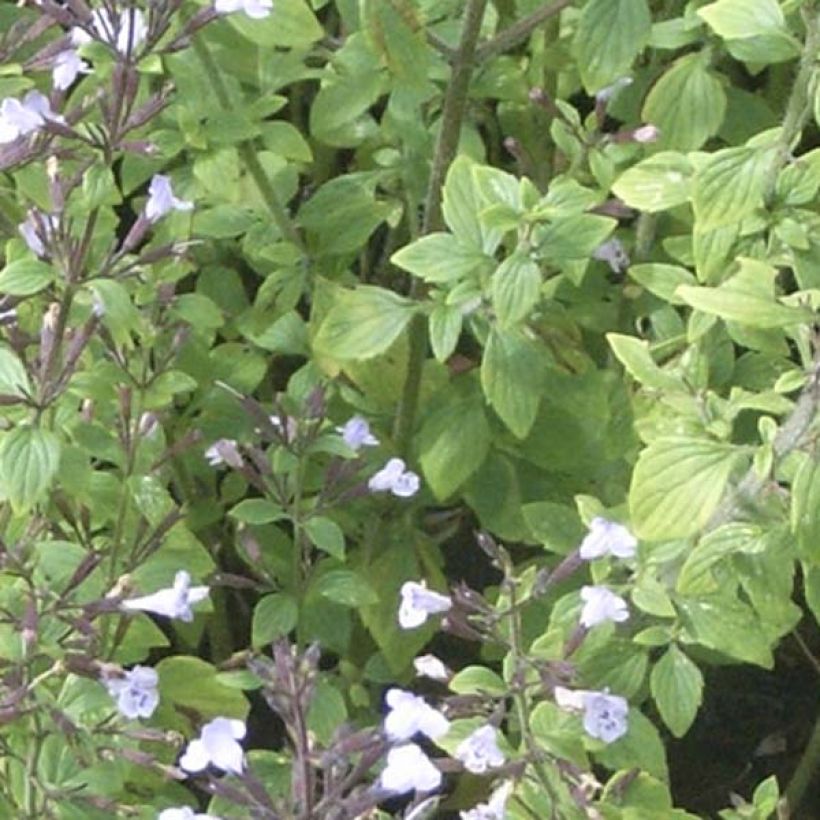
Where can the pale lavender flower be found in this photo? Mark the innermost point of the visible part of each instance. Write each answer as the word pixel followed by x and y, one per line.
pixel 393 477
pixel 224 451
pixel 174 602
pixel 19 118
pixel 418 603
pixel 494 808
pixel 480 751
pixel 646 133
pixel 601 605
pixel 255 9
pixel 161 199
pixel 605 715
pixel 129 30
pixel 135 692
pixel 614 254
pixel 409 769
pixel 217 745
pixel 28 230
pixel 410 714
pixel 607 538
pixel 356 433
pixel 429 666
pixel 184 813
pixel 67 65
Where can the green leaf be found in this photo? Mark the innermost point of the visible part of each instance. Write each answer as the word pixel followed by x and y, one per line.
pixel 345 587
pixel 29 458
pixel 256 511
pixel 729 626
pixel 677 687
pixel 462 202
pixel 747 298
pixel 641 747
pixel 478 680
pixel 273 616
pixel 291 24
pixel 13 377
pixel 730 186
pixel 445 329
pixel 687 103
pixel 805 509
pixel 610 34
pixel 326 535
pixel 732 19
pixel 677 484
pixel 453 441
pixel 659 182
pixel 635 356
pixel 100 187
pixel 119 316
pixel 662 280
pixel 811 587
pixel 25 277
pixel 327 712
pixel 511 377
pixel 440 257
pixel 363 323
pixel 574 237
pixel 516 288
pixel 223 221
pixel 192 684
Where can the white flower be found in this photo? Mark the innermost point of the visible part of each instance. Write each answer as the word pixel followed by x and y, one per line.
pixel 20 118
pixel 607 538
pixel 418 602
pixel 614 254
pixel 356 434
pixel 216 745
pixel 136 692
pixel 480 751
pixel 129 30
pixel 67 65
pixel 409 769
pixel 184 813
pixel 161 199
pixel 224 451
pixel 410 714
pixel 646 133
pixel 429 666
pixel 600 605
pixel 394 477
pixel 605 715
pixel 494 808
pixel 256 9
pixel 174 602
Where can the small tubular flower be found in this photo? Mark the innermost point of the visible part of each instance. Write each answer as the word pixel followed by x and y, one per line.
pixel 394 478
pixel 605 715
pixel 127 31
pixel 184 813
pixel 161 199
pixel 429 666
pixel 479 751
pixel 224 451
pixel 409 769
pixel 67 65
pixel 494 808
pixel 410 714
pixel 607 538
pixel 218 746
pixel 174 602
pixel 356 434
pixel 135 692
pixel 19 118
pixel 255 9
pixel 418 603
pixel 614 254
pixel 601 605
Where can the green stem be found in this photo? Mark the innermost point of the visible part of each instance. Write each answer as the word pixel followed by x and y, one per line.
pixel 799 105
pixel 455 103
pixel 805 771
pixel 517 33
pixel 247 151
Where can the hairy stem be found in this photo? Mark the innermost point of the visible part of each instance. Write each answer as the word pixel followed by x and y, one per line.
pixel 517 33
pixel 455 103
pixel 247 152
pixel 799 105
